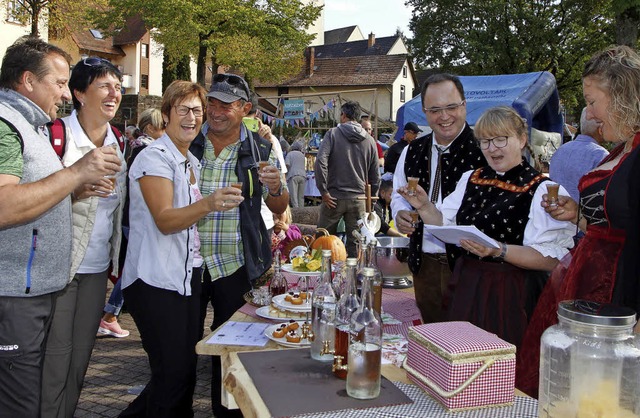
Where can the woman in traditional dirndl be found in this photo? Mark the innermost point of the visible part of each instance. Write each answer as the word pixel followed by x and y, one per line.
pixel 604 267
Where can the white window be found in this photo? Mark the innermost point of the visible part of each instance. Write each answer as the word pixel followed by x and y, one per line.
pixel 404 71
pixel 145 51
pixel 96 33
pixel 15 12
pixel 402 94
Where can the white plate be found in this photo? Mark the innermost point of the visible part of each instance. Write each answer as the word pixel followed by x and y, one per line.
pixel 265 312
pixel 279 301
pixel 288 268
pixel 283 340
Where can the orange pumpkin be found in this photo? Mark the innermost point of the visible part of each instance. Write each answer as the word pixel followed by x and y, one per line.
pixel 330 242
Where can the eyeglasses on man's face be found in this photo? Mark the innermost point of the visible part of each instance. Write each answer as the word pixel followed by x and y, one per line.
pixel 449 109
pixel 184 110
pixel 498 142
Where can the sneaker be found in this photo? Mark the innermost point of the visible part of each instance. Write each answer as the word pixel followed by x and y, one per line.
pixel 112 328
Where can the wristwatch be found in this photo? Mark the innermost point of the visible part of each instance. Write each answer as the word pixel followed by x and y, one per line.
pixel 279 193
pixel 503 251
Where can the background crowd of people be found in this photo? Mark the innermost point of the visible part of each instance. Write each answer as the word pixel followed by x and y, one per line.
pixel 189 210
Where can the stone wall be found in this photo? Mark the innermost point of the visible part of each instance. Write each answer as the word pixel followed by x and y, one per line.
pixel 132 105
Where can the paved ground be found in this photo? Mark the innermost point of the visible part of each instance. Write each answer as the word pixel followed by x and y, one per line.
pixel 120 364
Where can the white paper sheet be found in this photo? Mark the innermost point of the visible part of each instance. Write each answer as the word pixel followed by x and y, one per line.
pixel 452 234
pixel 241 333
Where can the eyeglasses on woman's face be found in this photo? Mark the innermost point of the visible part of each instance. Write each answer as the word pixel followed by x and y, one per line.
pixel 184 110
pixel 498 142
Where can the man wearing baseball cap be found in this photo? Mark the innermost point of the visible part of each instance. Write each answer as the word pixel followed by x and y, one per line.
pixel 411 131
pixel 234 244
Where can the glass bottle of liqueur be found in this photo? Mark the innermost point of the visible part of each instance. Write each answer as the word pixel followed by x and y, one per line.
pixel 323 310
pixel 365 345
pixel 361 247
pixel 278 284
pixel 347 305
pixel 372 262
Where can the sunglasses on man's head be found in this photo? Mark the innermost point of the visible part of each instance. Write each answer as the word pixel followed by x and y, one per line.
pixel 234 80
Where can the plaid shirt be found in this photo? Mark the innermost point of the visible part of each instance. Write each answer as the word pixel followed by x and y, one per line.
pixel 220 238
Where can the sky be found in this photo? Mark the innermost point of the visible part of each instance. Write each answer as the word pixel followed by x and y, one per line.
pixel 382 17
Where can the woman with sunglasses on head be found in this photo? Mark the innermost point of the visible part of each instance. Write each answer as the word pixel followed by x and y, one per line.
pixel 97 212
pixel 162 274
pixel 496 288
pixel 604 267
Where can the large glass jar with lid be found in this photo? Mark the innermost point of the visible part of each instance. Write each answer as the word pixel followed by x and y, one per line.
pixel 590 363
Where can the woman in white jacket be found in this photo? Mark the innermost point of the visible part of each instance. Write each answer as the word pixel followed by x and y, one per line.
pixel 95 85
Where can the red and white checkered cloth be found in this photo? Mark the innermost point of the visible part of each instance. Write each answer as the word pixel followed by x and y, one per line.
pixel 494 386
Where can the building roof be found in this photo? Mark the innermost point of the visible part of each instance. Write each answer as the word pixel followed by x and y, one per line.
pixel 347 71
pixel 340 35
pixel 87 41
pixel 382 46
pixel 133 31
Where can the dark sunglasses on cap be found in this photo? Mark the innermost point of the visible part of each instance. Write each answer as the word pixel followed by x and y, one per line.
pixel 234 80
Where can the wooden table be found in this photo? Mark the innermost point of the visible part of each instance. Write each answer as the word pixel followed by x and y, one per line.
pixel 237 381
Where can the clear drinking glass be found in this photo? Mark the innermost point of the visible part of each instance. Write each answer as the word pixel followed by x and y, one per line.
pixel 112 177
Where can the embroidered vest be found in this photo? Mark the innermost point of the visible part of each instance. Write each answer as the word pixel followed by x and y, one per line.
pixel 499 205
pixel 463 155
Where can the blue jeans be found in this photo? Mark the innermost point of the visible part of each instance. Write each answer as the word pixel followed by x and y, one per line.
pixel 116 300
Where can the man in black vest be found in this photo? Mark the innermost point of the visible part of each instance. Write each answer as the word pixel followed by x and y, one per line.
pixel 235 245
pixel 437 160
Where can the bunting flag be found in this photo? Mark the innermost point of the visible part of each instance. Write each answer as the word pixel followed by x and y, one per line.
pixel 298 122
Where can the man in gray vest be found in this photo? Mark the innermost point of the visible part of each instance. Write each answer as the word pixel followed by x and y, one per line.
pixel 35 214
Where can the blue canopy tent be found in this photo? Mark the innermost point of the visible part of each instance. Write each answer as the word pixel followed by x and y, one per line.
pixel 533 95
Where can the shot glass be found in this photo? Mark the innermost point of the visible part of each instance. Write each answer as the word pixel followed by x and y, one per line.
pixel 412 183
pixel 552 194
pixel 261 296
pixel 414 218
pixel 112 179
pixel 262 165
pixel 237 185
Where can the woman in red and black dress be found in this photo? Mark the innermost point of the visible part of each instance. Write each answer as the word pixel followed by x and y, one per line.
pixel 604 267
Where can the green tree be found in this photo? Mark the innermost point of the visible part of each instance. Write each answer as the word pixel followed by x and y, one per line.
pixel 62 16
pixel 512 36
pixel 263 38
pixel 172 71
pixel 28 11
pixel 627 21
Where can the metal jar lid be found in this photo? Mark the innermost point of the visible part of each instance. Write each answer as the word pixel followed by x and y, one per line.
pixel 594 313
